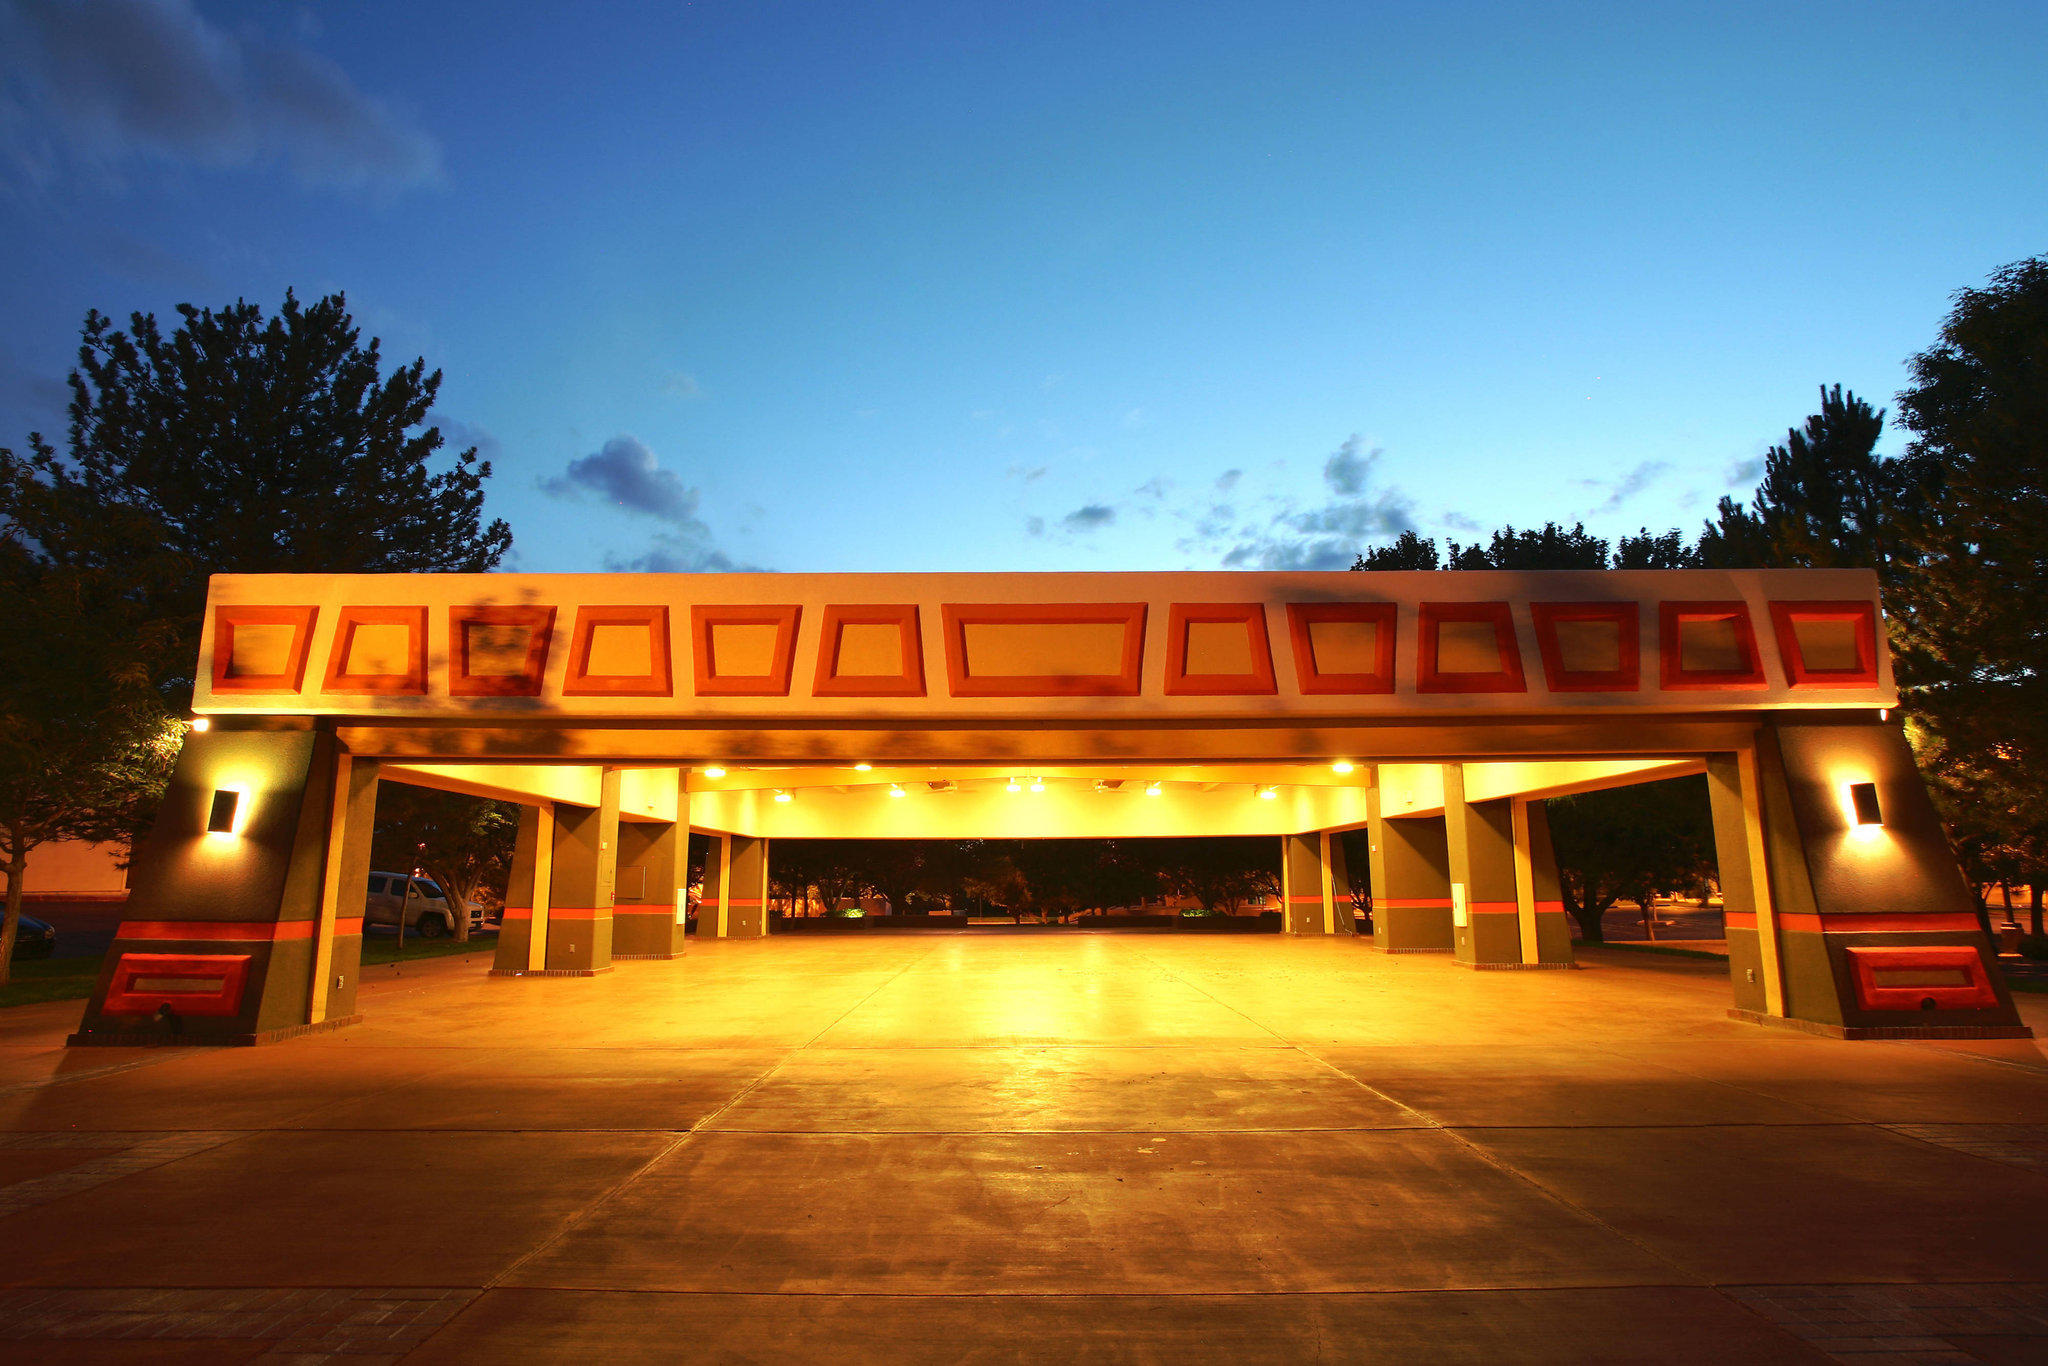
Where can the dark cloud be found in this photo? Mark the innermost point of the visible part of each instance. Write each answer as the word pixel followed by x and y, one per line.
pixel 116 79
pixel 1227 480
pixel 1093 517
pixel 1330 534
pixel 1743 474
pixel 626 474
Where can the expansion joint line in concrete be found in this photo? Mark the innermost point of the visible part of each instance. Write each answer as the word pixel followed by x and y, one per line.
pixel 1428 1121
pixel 588 1212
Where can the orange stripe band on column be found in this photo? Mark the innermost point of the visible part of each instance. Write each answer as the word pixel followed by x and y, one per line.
pixel 1865 923
pixel 1493 907
pixel 1426 903
pixel 663 911
pixel 578 912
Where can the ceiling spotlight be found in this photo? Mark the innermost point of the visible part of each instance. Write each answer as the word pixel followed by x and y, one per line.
pixel 1152 789
pixel 1038 784
pixel 1341 766
pixel 714 772
pixel 1014 786
pixel 896 791
pixel 782 796
pixel 862 768
pixel 1268 793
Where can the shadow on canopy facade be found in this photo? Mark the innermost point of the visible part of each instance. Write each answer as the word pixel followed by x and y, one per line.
pixel 1434 711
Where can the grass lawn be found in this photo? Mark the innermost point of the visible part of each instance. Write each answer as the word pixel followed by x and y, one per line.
pixel 50 979
pixel 71 979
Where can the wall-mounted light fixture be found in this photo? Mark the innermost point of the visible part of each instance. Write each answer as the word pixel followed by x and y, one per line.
pixel 224 816
pixel 202 724
pixel 1863 801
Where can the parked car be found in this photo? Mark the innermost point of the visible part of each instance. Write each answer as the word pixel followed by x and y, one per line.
pixel 426 909
pixel 35 938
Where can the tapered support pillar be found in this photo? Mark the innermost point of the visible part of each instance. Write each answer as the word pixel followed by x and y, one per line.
pixel 1840 925
pixel 1411 883
pixel 584 883
pixel 1499 917
pixel 523 933
pixel 1313 891
pixel 246 898
pixel 735 904
pixel 648 916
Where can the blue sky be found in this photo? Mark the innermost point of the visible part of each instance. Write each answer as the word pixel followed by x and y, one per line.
pixel 1043 286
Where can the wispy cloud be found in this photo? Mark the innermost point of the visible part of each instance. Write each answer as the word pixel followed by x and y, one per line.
pixel 626 474
pixel 1743 474
pixel 117 80
pixel 1093 517
pixel 1629 485
pixel 681 384
pixel 1330 534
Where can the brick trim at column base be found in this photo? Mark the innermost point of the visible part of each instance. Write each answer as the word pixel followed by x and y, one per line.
pixel 547 972
pixel 1835 1031
pixel 155 1038
pixel 1445 949
pixel 646 957
pixel 1520 967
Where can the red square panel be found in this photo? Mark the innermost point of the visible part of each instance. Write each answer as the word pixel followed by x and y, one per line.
pixel 831 640
pixel 412 679
pixel 1431 677
pixel 714 679
pixel 1247 617
pixel 583 679
pixel 1859 617
pixel 1746 670
pixel 1559 672
pixel 539 623
pixel 290 676
pixel 1304 617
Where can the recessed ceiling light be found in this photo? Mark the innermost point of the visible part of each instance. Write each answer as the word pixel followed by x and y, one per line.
pixel 1268 793
pixel 782 796
pixel 1014 786
pixel 862 768
pixel 714 772
pixel 1341 766
pixel 1152 789
pixel 1038 784
pixel 896 791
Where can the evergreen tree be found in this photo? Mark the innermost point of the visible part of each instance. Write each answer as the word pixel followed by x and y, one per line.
pixel 240 444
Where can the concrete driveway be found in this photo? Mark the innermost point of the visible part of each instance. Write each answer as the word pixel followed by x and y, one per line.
pixel 1058 1148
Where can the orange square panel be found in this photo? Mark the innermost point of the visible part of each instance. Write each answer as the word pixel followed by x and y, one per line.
pixel 378 651
pixel 1827 644
pixel 1218 649
pixel 191 984
pixel 1467 647
pixel 261 649
pixel 744 651
pixel 1589 646
pixel 870 651
pixel 1072 649
pixel 619 652
pixel 1342 647
pixel 1707 645
pixel 498 651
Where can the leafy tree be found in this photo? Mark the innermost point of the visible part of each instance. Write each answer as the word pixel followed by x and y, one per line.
pixel 86 744
pixel 1408 551
pixel 1631 843
pixel 1652 550
pixel 1222 873
pixel 1552 547
pixel 1970 621
pixel 463 843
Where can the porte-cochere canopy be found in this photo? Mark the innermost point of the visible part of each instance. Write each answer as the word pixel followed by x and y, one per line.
pixel 1435 710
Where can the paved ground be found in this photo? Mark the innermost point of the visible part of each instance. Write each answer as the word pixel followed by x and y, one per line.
pixel 948 1148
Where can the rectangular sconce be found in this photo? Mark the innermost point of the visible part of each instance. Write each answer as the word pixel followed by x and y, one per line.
pixel 221 819
pixel 1863 797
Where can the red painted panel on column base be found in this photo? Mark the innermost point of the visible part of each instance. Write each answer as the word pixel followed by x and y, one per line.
pixel 1951 976
pixel 191 984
